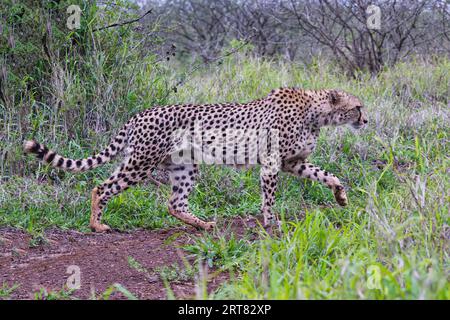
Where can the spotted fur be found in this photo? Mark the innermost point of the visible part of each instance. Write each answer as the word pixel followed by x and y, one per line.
pixel 78 165
pixel 148 140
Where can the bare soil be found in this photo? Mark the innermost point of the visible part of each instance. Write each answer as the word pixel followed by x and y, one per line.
pixel 103 260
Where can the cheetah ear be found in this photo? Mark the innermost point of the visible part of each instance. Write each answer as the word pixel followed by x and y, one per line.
pixel 334 96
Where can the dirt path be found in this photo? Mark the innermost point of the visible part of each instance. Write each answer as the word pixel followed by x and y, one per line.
pixel 103 259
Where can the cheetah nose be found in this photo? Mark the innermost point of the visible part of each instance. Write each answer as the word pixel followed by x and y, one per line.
pixel 365 121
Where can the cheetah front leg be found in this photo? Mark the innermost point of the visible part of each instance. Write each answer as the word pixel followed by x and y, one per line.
pixel 310 171
pixel 268 189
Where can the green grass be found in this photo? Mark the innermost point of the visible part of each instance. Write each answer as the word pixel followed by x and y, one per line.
pixel 6 290
pixel 391 242
pixel 63 294
pixel 218 250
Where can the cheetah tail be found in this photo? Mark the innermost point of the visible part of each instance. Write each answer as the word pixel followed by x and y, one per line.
pixel 77 165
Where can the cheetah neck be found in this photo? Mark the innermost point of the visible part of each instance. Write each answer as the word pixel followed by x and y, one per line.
pixel 318 115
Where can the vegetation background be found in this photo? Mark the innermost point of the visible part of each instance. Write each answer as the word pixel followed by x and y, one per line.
pixel 72 89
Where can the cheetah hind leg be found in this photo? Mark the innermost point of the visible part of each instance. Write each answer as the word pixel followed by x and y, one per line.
pixel 119 181
pixel 182 179
pixel 192 220
pixel 94 221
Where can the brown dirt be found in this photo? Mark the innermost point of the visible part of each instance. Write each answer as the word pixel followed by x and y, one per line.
pixel 103 260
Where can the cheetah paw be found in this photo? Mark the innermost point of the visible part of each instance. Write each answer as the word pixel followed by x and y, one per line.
pixel 209 226
pixel 340 196
pixel 100 228
pixel 271 221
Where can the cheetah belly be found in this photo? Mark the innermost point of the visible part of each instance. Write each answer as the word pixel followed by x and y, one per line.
pixel 212 146
pixel 189 152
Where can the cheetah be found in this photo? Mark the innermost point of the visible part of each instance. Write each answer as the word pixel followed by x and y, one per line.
pixel 285 125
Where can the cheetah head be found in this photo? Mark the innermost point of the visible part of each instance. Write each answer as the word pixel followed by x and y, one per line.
pixel 345 108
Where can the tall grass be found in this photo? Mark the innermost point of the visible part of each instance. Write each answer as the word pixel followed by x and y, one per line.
pixel 391 242
pixel 62 85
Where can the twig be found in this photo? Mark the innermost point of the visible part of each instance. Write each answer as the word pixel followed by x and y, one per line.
pixel 118 24
pixel 194 68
